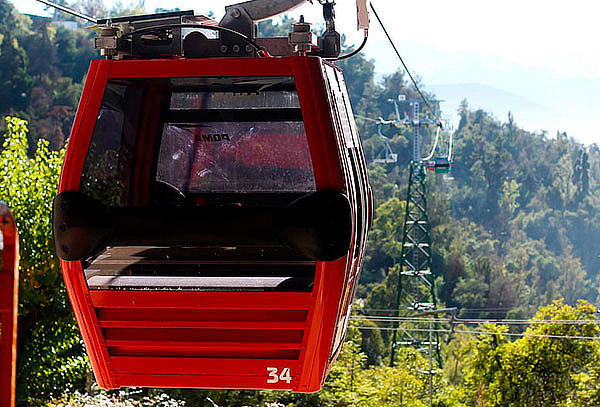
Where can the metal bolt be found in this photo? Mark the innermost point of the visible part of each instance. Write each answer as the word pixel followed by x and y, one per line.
pixel 249 48
pixel 223 49
pixel 65 248
pixel 63 227
pixel 235 13
pixel 236 48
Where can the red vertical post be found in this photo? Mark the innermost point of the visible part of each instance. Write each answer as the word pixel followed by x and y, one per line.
pixel 9 295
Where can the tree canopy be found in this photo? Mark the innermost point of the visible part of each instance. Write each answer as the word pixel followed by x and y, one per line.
pixel 514 237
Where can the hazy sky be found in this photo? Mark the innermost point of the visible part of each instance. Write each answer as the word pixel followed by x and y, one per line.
pixel 544 51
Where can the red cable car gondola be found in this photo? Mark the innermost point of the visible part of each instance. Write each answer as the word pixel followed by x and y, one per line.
pixel 212 218
pixel 9 301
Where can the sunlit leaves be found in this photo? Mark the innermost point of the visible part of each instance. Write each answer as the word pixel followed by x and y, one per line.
pixel 28 185
pixel 52 356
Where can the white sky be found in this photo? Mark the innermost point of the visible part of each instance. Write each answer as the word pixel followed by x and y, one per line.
pixel 543 50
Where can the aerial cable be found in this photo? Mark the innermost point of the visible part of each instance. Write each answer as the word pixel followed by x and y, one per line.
pixel 435 144
pixel 414 82
pixel 69 11
pixel 458 310
pixel 523 335
pixel 376 318
pixel 483 320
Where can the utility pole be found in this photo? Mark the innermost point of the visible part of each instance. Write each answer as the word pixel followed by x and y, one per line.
pixel 432 324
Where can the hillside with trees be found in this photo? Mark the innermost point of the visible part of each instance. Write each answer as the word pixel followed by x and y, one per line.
pixel 515 237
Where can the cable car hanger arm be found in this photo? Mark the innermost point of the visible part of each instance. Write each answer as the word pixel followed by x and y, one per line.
pixel 242 17
pixel 259 10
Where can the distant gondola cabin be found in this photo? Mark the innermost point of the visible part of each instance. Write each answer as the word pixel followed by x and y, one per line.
pixel 439 165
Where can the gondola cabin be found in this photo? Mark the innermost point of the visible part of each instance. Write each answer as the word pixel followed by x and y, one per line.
pixel 439 165
pixel 9 295
pixel 211 220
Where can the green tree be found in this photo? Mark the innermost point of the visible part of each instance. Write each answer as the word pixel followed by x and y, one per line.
pixel 51 354
pixel 540 369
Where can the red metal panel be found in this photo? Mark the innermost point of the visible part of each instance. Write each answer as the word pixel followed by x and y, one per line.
pixel 328 285
pixel 216 367
pixel 88 322
pixel 200 300
pixel 9 301
pixel 316 112
pixel 240 345
pixel 204 324
pixel 196 68
pixel 201 336
pixel 225 381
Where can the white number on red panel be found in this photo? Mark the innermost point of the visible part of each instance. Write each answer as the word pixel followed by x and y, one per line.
pixel 274 376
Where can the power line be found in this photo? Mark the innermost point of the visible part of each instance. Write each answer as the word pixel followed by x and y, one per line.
pixel 476 320
pixel 425 99
pixel 593 338
pixel 377 318
pixel 459 309
pixel 537 321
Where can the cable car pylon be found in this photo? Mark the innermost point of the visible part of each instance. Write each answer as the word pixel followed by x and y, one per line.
pixel 415 288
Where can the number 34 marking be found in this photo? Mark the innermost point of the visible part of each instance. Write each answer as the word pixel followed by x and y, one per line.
pixel 275 376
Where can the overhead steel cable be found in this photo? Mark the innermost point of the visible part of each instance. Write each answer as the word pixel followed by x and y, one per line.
pixel 414 82
pixel 577 337
pixel 458 310
pixel 378 318
pixel 69 11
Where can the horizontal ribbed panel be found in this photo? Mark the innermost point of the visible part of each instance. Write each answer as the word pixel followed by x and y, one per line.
pixel 248 333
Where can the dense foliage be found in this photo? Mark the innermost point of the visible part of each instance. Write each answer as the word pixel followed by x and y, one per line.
pixel 51 355
pixel 515 230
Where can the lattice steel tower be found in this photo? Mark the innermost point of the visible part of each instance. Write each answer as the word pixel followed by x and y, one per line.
pixel 415 293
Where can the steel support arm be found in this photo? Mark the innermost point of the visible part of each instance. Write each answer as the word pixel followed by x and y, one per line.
pixel 259 10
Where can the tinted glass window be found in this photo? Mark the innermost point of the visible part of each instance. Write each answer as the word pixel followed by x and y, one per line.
pixel 215 135
pixel 235 141
pixel 228 100
pixel 236 157
pixel 106 175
